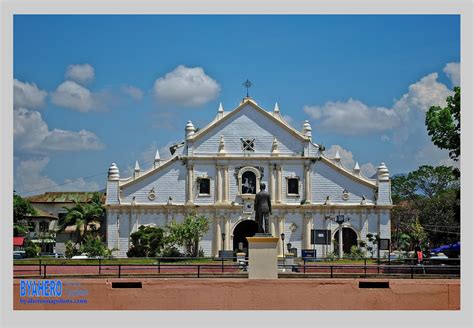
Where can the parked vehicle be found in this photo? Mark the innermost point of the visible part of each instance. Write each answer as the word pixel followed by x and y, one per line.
pixel 18 255
pixel 80 257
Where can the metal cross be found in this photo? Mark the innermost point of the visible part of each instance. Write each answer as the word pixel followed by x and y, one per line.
pixel 247 84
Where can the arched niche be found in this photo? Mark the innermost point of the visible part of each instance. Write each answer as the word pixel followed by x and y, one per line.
pixel 249 181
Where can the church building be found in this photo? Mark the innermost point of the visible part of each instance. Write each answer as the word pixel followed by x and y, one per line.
pixel 217 170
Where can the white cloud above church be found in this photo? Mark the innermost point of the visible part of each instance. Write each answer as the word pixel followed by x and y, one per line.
pixel 334 116
pixel 32 135
pixel 453 71
pixel 81 73
pixel 27 95
pixel 186 86
pixel 30 179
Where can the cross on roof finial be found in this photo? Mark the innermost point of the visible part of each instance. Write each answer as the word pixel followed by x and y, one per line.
pixel 247 84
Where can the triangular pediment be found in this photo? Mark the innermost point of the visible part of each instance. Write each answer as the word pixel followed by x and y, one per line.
pixel 248 121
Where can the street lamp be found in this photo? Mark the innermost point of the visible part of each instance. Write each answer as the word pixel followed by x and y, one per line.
pixel 223 239
pixel 282 236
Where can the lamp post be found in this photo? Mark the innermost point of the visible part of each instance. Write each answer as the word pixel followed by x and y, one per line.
pixel 223 240
pixel 282 236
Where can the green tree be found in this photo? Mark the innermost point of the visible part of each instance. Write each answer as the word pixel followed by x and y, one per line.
pixel 21 208
pixel 188 233
pixel 147 242
pixel 444 124
pixel 426 181
pixel 71 250
pixel 93 247
pixel 428 206
pixel 81 215
pixel 440 218
pixel 31 249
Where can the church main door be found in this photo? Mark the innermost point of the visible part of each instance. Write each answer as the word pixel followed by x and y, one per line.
pixel 349 239
pixel 247 228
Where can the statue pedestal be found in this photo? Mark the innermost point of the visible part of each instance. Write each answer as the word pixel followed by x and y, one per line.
pixel 263 261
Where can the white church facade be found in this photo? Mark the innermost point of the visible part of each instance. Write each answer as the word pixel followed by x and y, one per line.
pixel 217 171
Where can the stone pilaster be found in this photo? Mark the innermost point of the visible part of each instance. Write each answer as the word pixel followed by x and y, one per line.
pixel 278 184
pixel 190 184
pixel 218 184
pixel 217 236
pixel 307 184
pixel 227 233
pixel 307 231
pixel 226 184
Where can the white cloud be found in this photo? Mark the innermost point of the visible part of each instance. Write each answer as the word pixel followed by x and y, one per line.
pixel 186 86
pixel 335 116
pixel 353 117
pixel 81 73
pixel 347 160
pixel 29 179
pixel 31 134
pixel 429 154
pixel 422 95
pixel 368 169
pixel 453 71
pixel 72 95
pixel 27 95
pixel 133 92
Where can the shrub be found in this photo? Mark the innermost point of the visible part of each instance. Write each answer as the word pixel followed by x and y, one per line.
pixel 70 249
pixel 146 242
pixel 330 256
pixel 356 253
pixel 93 247
pixel 31 249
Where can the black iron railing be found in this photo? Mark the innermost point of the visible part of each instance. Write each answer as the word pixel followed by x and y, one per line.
pixel 171 267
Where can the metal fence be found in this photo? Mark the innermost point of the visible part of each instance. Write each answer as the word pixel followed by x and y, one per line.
pixel 165 267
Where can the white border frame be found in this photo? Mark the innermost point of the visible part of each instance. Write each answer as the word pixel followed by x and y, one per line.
pixel 229 318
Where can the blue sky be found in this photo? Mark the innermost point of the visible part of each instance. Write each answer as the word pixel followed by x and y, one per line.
pixel 92 90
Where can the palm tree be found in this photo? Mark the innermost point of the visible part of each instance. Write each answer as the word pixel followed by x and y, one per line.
pixel 81 215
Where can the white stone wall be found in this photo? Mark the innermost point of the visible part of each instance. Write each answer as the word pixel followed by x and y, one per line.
pixel 291 170
pixel 112 194
pixel 293 237
pixel 327 181
pixel 169 181
pixel 384 196
pixel 204 170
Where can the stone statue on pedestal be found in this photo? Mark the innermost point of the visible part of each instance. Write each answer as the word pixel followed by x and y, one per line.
pixel 263 208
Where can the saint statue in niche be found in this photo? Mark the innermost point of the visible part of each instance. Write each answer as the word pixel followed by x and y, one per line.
pixel 249 183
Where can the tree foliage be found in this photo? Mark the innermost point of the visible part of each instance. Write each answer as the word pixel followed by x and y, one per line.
pixel 94 247
pixel 31 249
pixel 427 207
pixel 426 181
pixel 21 208
pixel 81 215
pixel 444 125
pixel 147 241
pixel 188 233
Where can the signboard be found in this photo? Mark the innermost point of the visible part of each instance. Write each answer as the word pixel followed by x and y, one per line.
pixel 384 244
pixel 308 253
pixel 320 237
